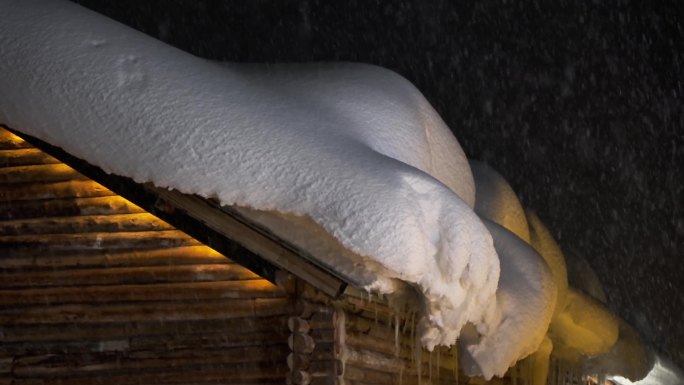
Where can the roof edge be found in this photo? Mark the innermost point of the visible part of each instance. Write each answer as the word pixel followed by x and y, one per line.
pixel 220 228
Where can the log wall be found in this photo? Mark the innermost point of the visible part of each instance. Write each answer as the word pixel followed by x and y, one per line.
pixel 372 343
pixel 93 290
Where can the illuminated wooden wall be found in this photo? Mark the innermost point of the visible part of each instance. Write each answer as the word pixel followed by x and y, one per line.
pixel 95 290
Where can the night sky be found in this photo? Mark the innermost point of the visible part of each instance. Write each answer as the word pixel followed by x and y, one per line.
pixel 580 105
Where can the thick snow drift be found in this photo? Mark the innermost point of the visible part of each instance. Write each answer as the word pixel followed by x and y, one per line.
pixel 354 148
pixel 496 200
pixel 584 328
pixel 526 299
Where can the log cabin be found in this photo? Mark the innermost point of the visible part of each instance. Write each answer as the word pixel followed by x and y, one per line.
pixel 107 281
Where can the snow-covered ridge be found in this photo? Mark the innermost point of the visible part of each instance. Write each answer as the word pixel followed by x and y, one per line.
pixel 355 148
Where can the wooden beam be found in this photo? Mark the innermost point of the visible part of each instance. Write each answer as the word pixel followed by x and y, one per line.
pixel 218 227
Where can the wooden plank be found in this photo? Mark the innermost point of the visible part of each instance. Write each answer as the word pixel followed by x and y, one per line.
pixel 171 311
pixel 377 310
pixel 373 360
pixel 26 209
pixel 83 347
pixel 226 373
pixel 369 376
pixel 32 245
pixel 124 275
pixel 367 342
pixel 185 255
pixel 39 173
pixel 5 364
pixel 143 334
pixel 84 224
pixel 255 333
pixel 301 343
pixel 25 157
pixel 10 141
pixel 63 365
pixel 257 288
pixel 67 189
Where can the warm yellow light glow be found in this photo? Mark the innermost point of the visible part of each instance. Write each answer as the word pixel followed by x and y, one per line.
pixel 8 137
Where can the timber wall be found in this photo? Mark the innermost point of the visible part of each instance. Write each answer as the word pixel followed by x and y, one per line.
pixel 95 290
pixel 368 343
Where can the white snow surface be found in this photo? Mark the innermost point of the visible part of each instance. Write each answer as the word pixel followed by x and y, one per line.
pixel 496 200
pixel 526 299
pixel 354 148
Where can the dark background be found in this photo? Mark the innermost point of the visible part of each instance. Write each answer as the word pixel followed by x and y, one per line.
pixel 580 105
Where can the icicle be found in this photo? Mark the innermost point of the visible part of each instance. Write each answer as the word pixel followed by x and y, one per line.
pixel 413 346
pixel 406 321
pixel 514 375
pixel 439 361
pixel 418 358
pixel 396 336
pixel 455 347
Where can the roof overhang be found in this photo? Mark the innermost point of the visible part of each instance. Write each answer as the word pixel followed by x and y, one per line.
pixel 220 227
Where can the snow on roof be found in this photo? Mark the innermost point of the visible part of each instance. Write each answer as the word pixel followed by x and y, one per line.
pixel 354 149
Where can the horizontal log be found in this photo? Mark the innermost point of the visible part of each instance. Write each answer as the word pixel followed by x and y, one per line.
pixel 373 360
pixel 60 244
pixel 299 377
pixel 242 373
pixel 148 311
pixel 134 348
pixel 318 369
pixel 299 325
pixel 153 346
pixel 256 288
pixel 367 342
pixel 143 334
pixel 26 209
pixel 124 275
pixel 322 320
pixel 301 343
pixel 306 309
pixel 84 224
pixel 68 189
pixel 5 365
pixel 25 157
pixel 375 310
pixel 53 365
pixel 326 381
pixel 362 333
pixel 187 255
pixel 413 380
pixel 9 141
pixel 41 173
pixel 358 325
pixel 65 347
pixel 369 376
pixel 298 361
pixel 321 352
pixel 325 368
pixel 323 335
